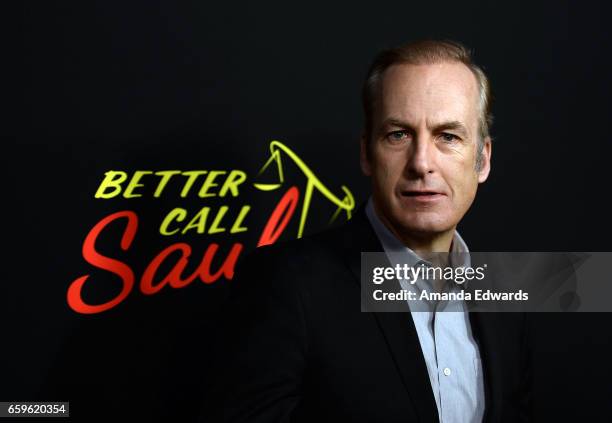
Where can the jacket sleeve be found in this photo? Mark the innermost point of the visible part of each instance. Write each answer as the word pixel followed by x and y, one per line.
pixel 260 355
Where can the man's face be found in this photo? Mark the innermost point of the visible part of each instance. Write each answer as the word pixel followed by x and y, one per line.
pixel 424 143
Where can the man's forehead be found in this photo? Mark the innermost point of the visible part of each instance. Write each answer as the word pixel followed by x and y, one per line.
pixel 438 92
pixel 449 74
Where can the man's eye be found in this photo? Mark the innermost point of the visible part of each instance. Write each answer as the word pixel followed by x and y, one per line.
pixel 397 136
pixel 446 137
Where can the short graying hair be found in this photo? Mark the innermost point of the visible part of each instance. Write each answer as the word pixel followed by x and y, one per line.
pixel 427 52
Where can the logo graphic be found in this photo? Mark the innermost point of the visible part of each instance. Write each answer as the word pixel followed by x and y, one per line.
pixel 215 185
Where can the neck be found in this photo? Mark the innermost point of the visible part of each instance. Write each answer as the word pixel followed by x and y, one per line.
pixel 427 243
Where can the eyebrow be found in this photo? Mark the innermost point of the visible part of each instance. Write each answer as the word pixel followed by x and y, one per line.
pixel 453 125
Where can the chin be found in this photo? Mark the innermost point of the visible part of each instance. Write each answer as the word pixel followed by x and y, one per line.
pixel 423 223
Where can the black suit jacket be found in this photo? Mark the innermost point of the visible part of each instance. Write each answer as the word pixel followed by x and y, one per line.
pixel 295 346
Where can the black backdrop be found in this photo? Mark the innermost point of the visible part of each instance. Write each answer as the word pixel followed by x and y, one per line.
pixel 202 85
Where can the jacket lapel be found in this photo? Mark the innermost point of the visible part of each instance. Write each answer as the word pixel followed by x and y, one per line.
pixel 485 332
pixel 398 328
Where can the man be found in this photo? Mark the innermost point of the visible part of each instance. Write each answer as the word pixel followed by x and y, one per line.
pixel 296 345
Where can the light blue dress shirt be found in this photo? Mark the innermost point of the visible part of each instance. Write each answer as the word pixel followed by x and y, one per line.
pixel 450 351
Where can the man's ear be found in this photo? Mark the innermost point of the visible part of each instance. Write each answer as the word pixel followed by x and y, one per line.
pixel 364 159
pixel 485 164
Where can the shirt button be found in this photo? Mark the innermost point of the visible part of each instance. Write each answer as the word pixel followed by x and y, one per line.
pixel 447 371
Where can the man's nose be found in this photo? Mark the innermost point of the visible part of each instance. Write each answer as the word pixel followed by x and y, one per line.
pixel 420 157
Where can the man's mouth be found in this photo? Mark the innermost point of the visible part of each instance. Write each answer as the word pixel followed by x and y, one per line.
pixel 422 197
pixel 420 193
